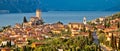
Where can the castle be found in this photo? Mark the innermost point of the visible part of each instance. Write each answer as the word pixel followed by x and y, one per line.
pixel 37 20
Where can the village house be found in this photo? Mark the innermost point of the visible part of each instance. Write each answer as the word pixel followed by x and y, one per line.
pixel 115 21
pixel 5 49
pixel 76 29
pixel 110 29
pixel 89 27
pixel 115 34
pixel 102 19
pixel 100 27
pixel 76 25
pixel 56 28
pixel 21 43
pixel 17 25
pixel 36 44
pixel 81 34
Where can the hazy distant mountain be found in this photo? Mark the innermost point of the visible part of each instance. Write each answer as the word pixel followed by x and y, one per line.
pixel 20 6
pixel 115 8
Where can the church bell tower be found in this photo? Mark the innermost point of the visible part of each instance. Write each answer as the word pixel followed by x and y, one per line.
pixel 84 20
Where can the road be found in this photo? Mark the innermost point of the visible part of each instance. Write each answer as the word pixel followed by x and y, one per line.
pixel 96 41
pixel 95 38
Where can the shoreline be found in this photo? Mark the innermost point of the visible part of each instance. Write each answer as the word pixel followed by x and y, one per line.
pixel 46 18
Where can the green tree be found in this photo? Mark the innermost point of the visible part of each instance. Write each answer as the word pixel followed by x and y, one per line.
pixel 90 37
pixel 107 23
pixel 6 27
pixel 8 43
pixel 97 20
pixel 87 48
pixel 118 24
pixel 112 38
pixel 17 49
pixel 102 38
pixel 99 48
pixel 25 20
pixel 29 42
pixel 1 30
pixel 59 22
pixel 84 29
pixel 119 44
pixel 24 48
pixel 113 42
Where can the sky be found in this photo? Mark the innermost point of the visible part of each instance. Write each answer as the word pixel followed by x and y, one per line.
pixel 80 4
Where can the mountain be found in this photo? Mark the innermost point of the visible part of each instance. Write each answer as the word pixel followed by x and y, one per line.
pixel 23 6
pixel 115 8
pixel 15 6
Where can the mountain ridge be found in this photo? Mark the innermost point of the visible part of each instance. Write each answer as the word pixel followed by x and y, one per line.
pixel 27 6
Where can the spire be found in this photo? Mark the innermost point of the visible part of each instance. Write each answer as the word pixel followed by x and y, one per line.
pixel 25 20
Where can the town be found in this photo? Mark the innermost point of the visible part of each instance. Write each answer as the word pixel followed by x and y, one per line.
pixel 101 34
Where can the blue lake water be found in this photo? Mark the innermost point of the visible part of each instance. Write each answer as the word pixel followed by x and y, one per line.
pixel 54 16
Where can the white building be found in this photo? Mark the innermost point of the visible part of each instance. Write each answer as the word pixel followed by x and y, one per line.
pixel 84 20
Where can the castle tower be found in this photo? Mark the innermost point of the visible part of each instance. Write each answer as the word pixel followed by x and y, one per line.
pixel 84 20
pixel 38 13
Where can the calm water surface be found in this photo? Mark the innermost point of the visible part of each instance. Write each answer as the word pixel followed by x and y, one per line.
pixel 54 16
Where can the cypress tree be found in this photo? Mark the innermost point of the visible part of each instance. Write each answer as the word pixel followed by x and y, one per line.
pixel 118 24
pixel 119 43
pixel 113 42
pixel 25 20
pixel 90 37
pixel 108 25
pixel 99 48
pixel 84 29
pixel 105 24
pixel 112 38
pixel 59 22
pixel 10 43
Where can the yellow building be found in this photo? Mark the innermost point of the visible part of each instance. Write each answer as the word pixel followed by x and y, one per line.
pixel 5 49
pixel 36 44
pixel 76 25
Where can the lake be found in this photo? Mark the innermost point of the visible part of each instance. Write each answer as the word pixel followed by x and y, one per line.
pixel 54 16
